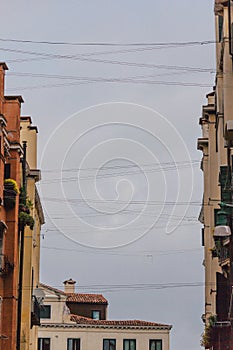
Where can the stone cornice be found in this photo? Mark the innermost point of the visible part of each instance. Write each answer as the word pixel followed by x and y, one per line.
pixel 75 325
pixel 39 207
pixel 218 7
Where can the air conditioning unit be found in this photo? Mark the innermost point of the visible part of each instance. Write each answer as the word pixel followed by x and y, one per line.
pixel 222 231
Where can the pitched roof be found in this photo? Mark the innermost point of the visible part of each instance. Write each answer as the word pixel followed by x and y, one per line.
pixel 55 290
pixel 86 298
pixel 117 323
pixel 15 97
pixel 82 298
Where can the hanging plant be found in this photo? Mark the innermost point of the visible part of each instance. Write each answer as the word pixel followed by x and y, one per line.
pixel 207 335
pixel 25 204
pixel 10 183
pixel 10 191
pixel 22 196
pixel 26 219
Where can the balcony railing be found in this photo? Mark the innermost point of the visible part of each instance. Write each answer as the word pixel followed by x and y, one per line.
pixel 35 312
pixel 224 255
pixel 222 252
pixel 5 265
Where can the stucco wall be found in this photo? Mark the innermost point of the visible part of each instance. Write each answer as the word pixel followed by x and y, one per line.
pixel 92 338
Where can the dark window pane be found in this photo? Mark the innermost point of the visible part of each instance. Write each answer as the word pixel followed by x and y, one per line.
pixel 105 344
pixel 73 344
pixel 132 345
pixel 155 344
pixel 7 171
pixel 96 315
pixel 109 344
pixel 129 344
pixel 126 344
pixel 45 311
pixel 220 27
pixel 43 343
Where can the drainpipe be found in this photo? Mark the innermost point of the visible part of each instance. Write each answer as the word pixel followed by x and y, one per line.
pixel 229 27
pixel 24 165
pixel 21 256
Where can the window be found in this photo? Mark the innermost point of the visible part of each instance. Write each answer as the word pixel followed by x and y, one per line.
pixel 95 314
pixel 220 28
pixel 109 344
pixel 45 311
pixel 2 229
pixel 129 344
pixel 155 344
pixel 73 344
pixel 43 343
pixel 7 171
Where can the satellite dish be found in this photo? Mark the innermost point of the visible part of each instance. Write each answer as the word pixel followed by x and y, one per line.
pixel 222 231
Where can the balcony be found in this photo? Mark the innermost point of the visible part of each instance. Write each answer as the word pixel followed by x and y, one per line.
pixel 222 252
pixel 5 265
pixel 9 194
pixel 224 258
pixel 35 312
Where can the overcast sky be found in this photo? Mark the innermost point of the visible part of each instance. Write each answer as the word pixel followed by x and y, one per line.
pixel 117 147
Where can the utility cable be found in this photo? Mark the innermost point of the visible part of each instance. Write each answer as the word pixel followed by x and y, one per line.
pixel 46 42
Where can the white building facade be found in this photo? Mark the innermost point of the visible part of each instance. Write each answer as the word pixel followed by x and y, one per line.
pixel 61 330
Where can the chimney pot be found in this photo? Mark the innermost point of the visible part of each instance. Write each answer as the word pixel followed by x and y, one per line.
pixel 69 286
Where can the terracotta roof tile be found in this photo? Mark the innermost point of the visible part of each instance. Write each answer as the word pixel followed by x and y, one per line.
pixel 83 298
pixel 86 298
pixel 122 323
pixel 58 291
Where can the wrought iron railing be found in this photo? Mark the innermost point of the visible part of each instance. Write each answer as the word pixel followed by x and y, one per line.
pixel 35 312
pixel 5 265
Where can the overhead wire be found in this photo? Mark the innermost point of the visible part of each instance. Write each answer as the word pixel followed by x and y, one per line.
pixel 110 175
pixel 161 82
pixel 104 288
pixel 126 166
pixel 135 253
pixel 59 230
pixel 88 80
pixel 126 212
pixel 95 53
pixel 82 57
pixel 47 42
pixel 135 202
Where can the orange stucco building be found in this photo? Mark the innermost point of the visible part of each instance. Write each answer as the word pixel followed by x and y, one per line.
pixel 10 167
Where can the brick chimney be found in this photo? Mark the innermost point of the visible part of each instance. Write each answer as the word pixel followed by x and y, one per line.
pixel 69 286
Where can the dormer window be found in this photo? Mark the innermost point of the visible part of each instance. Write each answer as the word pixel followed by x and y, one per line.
pixel 95 314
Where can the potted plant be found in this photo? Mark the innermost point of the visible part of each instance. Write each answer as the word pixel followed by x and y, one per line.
pixel 207 336
pixel 25 205
pixel 10 192
pixel 26 219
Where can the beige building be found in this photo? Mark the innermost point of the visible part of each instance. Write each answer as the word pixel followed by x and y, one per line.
pixel 30 311
pixel 216 145
pixel 61 329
